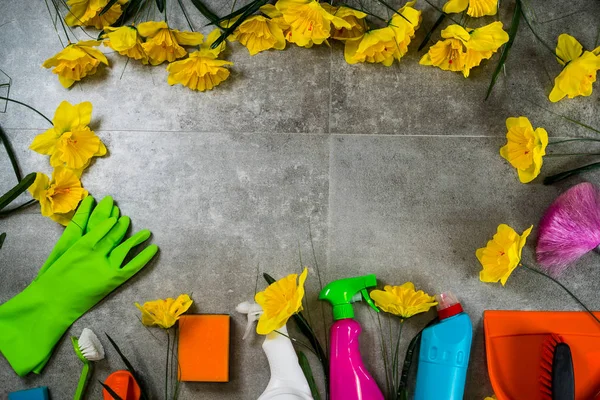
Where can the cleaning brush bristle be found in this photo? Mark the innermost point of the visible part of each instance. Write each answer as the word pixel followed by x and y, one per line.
pixel 90 345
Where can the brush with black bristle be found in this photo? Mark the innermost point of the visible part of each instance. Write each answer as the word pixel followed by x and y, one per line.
pixel 557 378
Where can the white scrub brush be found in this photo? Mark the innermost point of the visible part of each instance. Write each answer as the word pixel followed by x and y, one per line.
pixel 88 348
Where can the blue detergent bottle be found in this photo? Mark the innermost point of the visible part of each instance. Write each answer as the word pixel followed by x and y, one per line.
pixel 444 354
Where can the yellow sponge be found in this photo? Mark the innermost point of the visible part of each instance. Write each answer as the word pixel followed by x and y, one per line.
pixel 204 348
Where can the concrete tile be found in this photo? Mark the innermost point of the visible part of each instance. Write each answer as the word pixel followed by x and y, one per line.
pixel 408 98
pixel 271 92
pixel 219 206
pixel 416 209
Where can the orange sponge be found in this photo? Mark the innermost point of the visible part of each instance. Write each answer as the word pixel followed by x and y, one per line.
pixel 204 348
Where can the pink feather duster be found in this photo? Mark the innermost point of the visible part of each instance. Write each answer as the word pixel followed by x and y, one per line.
pixel 570 228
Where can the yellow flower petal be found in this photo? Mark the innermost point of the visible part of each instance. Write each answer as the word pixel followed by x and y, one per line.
pixel 164 313
pixel 309 22
pixel 502 254
pixel 403 301
pixel 75 62
pixel 188 38
pixel 61 195
pixel 568 48
pixel 525 148
pixel 87 13
pixel 77 147
pixel 455 6
pixel 151 28
pixel 198 72
pixel 258 33
pixel 279 302
pixel 122 38
pixel 488 38
pixel 479 8
pixel 456 32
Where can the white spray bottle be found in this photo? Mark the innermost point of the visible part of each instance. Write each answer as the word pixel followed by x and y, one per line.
pixel 287 379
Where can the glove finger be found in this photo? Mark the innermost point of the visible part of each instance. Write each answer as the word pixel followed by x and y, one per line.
pixel 92 238
pixel 102 212
pixel 140 261
pixel 115 212
pixel 71 234
pixel 118 254
pixel 114 236
pixel 82 215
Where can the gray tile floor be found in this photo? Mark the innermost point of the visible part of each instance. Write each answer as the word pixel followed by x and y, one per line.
pixel 394 171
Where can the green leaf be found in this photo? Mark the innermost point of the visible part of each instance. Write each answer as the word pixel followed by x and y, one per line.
pixel 402 393
pixel 13 193
pixel 17 208
pixel 305 365
pixel 114 395
pixel 209 15
pixel 549 180
pixel 132 8
pixel 11 154
pixel 234 14
pixel 130 368
pixel 161 5
pixel 255 6
pixel 512 34
pixel 108 6
pixel 433 28
pixel 2 239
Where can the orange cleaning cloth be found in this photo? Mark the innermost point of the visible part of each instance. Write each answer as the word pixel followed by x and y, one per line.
pixel 204 348
pixel 514 342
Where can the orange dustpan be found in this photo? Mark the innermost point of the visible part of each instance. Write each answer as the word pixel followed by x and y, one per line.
pixel 513 343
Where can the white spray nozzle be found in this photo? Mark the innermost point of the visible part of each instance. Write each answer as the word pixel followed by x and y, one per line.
pixel 254 312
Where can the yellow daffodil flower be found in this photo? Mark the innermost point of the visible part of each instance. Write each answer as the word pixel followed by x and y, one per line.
pixel 491 398
pixel 355 18
pixel 70 142
pixel 87 13
pixel 475 8
pixel 276 16
pixel 258 33
pixel 127 41
pixel 164 313
pixel 464 49
pixel 383 45
pixel 164 44
pixel 403 301
pixel 309 22
pixel 502 254
pixel 58 198
pixel 76 61
pixel 201 70
pixel 279 302
pixel 525 148
pixel 580 69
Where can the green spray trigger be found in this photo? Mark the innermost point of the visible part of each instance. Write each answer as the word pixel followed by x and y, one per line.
pixel 367 298
pixel 341 294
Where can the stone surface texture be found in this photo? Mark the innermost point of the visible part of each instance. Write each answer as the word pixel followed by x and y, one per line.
pixel 297 159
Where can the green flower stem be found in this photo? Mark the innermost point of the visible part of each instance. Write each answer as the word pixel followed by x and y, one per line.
pixel 549 180
pixel 298 342
pixel 537 36
pixel 167 365
pixel 395 363
pixel 28 106
pixel 564 288
pixel 384 355
pixel 571 154
pixel 574 140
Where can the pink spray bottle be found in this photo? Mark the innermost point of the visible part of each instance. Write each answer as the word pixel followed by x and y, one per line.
pixel 349 379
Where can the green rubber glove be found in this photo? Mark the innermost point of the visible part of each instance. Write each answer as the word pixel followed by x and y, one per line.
pixel 32 322
pixel 82 222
